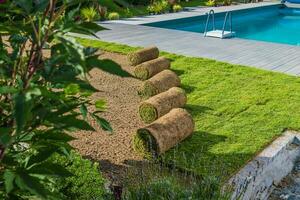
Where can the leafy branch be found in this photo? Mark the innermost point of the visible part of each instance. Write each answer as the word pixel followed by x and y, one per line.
pixel 43 91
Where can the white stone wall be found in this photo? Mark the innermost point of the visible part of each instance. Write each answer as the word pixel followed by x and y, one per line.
pixel 255 181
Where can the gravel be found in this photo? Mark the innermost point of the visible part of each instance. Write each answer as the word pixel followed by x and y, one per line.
pixel 113 150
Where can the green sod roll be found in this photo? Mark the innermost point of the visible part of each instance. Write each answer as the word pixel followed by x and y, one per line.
pixel 152 67
pixel 164 133
pixel 161 82
pixel 161 104
pixel 145 144
pixel 143 55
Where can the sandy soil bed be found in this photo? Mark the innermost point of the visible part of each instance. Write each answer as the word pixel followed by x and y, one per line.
pixel 113 151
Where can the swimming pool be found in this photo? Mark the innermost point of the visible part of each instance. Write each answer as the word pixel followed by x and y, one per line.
pixel 277 24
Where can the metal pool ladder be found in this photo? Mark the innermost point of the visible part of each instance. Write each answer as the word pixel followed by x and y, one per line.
pixel 219 33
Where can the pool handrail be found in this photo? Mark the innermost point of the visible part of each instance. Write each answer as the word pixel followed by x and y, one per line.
pixel 210 13
pixel 228 14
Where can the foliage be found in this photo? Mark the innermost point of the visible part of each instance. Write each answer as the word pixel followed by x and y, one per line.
pixel 89 14
pixel 211 3
pixel 113 16
pixel 123 11
pixel 227 2
pixel 158 7
pixel 139 2
pixel 168 188
pixel 238 110
pixel 177 8
pixel 139 7
pixel 148 180
pixel 43 92
pixel 86 182
pixel 192 3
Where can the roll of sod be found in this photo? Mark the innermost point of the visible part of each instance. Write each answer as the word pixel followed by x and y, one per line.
pixel 143 55
pixel 164 133
pixel 161 82
pixel 161 104
pixel 148 69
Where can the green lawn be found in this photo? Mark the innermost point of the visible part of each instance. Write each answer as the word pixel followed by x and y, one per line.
pixel 238 110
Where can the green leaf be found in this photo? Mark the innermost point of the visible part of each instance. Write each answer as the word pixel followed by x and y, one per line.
pixel 31 184
pixel 5 136
pixel 51 169
pixel 24 4
pixel 102 123
pixel 9 178
pixel 25 137
pixel 101 105
pixel 70 122
pixel 19 111
pixel 8 90
pixel 42 155
pixel 41 5
pixel 72 89
pixel 55 135
pixel 32 92
pixel 84 111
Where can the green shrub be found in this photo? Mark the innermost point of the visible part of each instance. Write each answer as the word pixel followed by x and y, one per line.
pixel 139 2
pixel 177 8
pixel 44 95
pixel 87 181
pixel 158 7
pixel 113 16
pixel 210 3
pixel 89 14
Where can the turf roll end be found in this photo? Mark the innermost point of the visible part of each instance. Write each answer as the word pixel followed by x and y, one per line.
pixel 145 144
pixel 164 133
pixel 141 72
pixel 148 112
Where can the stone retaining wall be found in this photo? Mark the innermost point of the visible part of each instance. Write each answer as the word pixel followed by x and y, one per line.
pixel 256 179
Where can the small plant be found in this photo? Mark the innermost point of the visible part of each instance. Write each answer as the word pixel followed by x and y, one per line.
pixel 177 8
pixel 158 7
pixel 89 14
pixel 87 181
pixel 113 16
pixel 211 3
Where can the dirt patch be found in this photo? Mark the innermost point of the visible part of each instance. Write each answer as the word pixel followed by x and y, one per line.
pixel 120 92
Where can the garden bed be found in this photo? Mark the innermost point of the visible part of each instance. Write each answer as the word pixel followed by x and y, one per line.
pixel 238 111
pixel 120 91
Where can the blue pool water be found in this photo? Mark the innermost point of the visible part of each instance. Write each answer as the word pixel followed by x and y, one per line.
pixel 271 24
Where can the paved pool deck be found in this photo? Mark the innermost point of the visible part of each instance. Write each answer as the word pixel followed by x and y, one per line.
pixel 269 56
